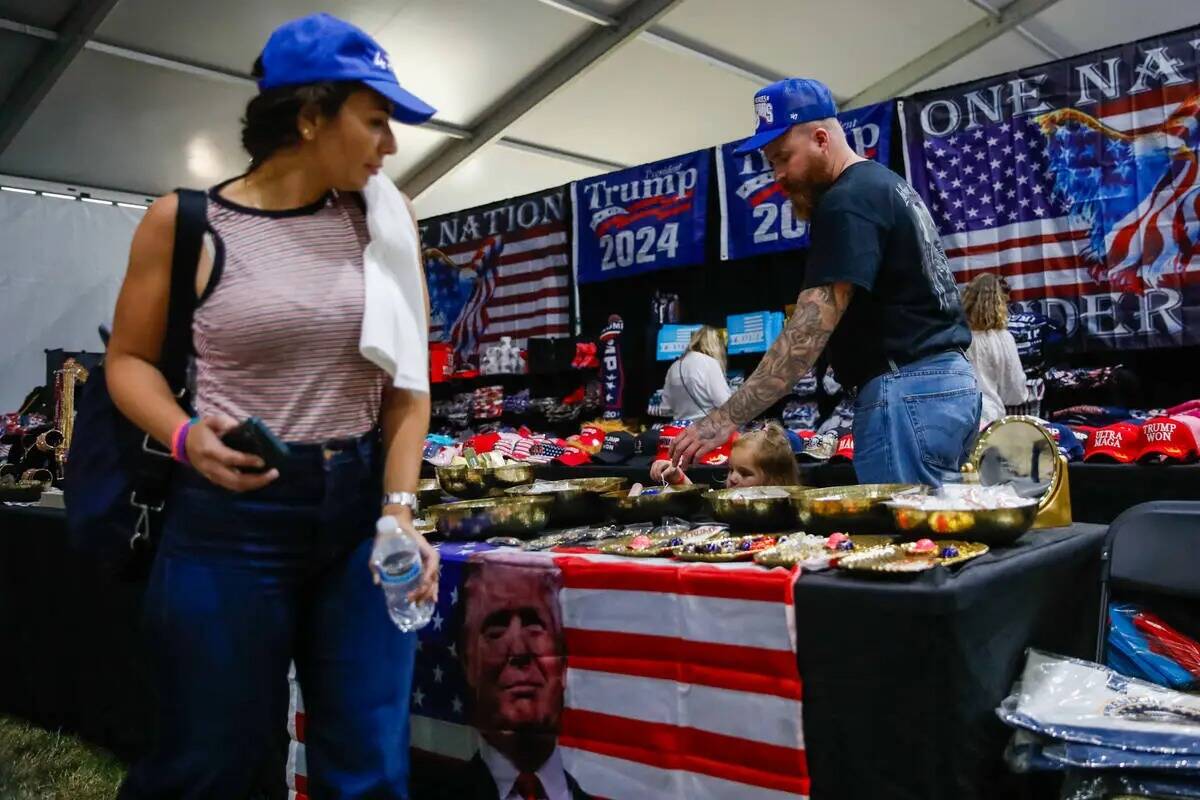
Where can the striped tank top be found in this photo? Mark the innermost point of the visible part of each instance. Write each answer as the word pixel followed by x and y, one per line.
pixel 276 331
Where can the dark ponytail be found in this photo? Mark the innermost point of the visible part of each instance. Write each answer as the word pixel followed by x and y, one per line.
pixel 270 121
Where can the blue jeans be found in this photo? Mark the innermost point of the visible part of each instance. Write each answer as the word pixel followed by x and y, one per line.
pixel 916 423
pixel 243 585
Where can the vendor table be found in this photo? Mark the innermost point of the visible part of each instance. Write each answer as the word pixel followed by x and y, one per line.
pixel 1099 492
pixel 899 678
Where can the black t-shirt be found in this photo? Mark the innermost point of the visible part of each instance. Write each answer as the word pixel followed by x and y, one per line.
pixel 871 229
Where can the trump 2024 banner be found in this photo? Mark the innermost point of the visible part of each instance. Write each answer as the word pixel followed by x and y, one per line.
pixel 498 270
pixel 641 219
pixel 756 215
pixel 1079 181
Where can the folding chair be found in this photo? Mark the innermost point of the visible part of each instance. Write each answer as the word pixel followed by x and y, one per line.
pixel 1151 548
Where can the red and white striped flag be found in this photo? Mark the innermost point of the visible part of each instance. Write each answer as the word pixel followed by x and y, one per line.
pixel 681 680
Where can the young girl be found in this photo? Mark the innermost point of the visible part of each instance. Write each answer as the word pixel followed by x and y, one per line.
pixel 759 458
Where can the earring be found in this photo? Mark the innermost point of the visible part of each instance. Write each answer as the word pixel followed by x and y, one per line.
pixel 308 134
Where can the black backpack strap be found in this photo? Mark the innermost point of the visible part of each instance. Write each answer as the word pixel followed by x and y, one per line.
pixel 191 223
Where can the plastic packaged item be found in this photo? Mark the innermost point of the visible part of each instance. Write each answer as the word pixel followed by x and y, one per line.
pixel 1089 786
pixel 1131 652
pixel 1080 701
pixel 1091 756
pixel 398 561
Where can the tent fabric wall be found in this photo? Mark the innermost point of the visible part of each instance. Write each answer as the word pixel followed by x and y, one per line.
pixel 61 265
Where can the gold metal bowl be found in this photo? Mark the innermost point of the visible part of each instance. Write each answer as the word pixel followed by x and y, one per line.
pixel 668 501
pixel 429 493
pixel 470 483
pixel 989 525
pixel 851 509
pixel 576 501
pixel 761 514
pixel 521 517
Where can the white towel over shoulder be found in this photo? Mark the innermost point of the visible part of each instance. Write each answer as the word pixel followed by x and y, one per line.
pixel 395 331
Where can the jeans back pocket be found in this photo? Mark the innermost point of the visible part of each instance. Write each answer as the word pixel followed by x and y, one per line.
pixel 945 423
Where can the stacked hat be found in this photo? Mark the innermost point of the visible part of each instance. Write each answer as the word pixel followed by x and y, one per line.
pixel 645 448
pixel 799 439
pixel 845 449
pixel 589 439
pixel 1121 443
pixel 618 448
pixel 1070 445
pixel 1170 439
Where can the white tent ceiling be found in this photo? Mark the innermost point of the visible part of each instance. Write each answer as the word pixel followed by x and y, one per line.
pixel 148 96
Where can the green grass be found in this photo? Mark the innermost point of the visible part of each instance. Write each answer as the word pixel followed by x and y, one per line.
pixel 43 765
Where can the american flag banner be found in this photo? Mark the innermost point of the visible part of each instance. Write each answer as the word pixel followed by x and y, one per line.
pixel 645 678
pixel 499 270
pixel 1079 181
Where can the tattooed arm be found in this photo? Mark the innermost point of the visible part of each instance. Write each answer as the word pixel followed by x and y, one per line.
pixel 818 311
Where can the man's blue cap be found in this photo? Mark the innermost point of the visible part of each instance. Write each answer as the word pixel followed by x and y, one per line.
pixel 791 101
pixel 321 47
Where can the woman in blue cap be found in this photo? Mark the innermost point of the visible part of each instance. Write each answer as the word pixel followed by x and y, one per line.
pixel 258 569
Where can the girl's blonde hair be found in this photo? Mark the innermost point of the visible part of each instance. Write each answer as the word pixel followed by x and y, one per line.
pixel 707 340
pixel 986 303
pixel 772 453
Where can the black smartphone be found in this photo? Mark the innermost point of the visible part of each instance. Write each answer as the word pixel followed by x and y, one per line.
pixel 255 438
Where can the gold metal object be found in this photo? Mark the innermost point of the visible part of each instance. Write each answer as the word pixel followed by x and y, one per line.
pixel 851 509
pixel 66 379
pixel 493 516
pixel 429 493
pixel 1020 451
pixel 576 501
pixel 991 525
pixel 673 501
pixel 660 545
pixel 789 555
pixel 474 482
pixel 902 558
pixel 731 549
pixel 764 514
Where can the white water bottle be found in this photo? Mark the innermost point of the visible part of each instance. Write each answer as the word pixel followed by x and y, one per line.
pixel 398 560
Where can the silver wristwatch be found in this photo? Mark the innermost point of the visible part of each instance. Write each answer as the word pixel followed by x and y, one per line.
pixel 401 499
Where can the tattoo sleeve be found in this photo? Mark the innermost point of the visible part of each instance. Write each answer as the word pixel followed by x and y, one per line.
pixel 818 311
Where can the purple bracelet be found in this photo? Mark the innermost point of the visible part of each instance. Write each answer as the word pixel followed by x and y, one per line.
pixel 179 444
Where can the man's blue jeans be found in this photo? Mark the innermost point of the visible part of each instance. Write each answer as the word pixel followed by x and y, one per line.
pixel 916 423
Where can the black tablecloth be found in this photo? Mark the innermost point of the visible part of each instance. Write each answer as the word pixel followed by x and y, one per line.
pixel 902 676
pixel 72 652
pixel 1099 492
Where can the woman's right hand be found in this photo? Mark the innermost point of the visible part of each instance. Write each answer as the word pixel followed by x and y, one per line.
pixel 220 464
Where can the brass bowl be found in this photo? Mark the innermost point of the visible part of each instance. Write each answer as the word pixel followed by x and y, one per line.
pixel 470 483
pixel 989 525
pixel 668 501
pixel 521 517
pixel 576 500
pixel 850 509
pixel 760 514
pixel 429 493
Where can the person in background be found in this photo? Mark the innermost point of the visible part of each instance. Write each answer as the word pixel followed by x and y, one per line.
pixel 759 458
pixel 1040 341
pixel 258 569
pixel 993 351
pixel 696 383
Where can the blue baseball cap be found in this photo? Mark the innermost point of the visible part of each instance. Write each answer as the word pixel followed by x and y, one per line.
pixel 791 101
pixel 321 47
pixel 1069 444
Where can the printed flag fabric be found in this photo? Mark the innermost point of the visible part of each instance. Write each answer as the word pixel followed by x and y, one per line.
pixel 756 215
pixel 499 270
pixel 1079 181
pixel 663 679
pixel 641 219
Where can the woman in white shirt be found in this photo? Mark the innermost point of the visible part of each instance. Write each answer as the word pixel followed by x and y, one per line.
pixel 993 350
pixel 696 382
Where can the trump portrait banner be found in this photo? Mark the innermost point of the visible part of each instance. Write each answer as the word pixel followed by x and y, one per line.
pixel 498 270
pixel 756 216
pixel 600 677
pixel 641 219
pixel 1079 182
